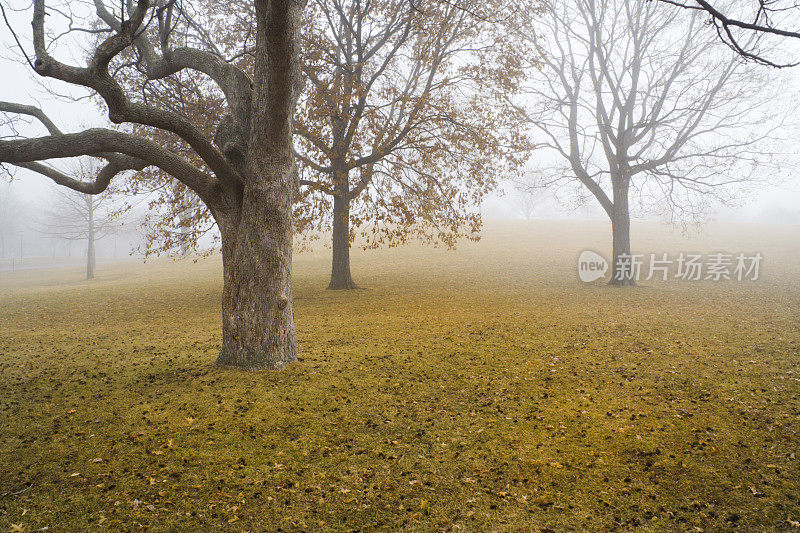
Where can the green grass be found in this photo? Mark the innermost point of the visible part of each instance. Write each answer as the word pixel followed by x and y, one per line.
pixel 484 389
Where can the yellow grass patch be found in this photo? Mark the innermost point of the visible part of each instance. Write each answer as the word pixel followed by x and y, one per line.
pixel 481 389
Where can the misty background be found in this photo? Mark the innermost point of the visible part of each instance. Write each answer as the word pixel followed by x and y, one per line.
pixel 28 225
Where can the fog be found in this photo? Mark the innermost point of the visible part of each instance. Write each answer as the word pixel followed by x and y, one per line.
pixel 471 265
pixel 29 195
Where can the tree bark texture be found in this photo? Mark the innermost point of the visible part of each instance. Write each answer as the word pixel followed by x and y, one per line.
pixel 257 315
pixel 622 273
pixel 341 278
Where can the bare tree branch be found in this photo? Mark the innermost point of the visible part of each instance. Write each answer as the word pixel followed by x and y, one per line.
pixel 762 24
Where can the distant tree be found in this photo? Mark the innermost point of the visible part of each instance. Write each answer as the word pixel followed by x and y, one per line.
pixel 639 107
pixel 76 216
pixel 743 25
pixel 528 196
pixel 9 217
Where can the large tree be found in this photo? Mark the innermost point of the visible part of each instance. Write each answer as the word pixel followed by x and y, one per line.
pixel 245 174
pixel 643 110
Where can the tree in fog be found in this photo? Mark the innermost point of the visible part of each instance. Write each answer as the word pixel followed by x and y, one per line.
pixel 401 130
pixel 244 173
pixel 643 110
pixel 528 198
pixel 752 28
pixel 77 216
pixel 9 214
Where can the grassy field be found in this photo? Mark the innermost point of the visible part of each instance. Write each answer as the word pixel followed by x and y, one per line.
pixel 484 389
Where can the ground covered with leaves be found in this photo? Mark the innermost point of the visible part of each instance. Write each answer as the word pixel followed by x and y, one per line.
pixel 484 389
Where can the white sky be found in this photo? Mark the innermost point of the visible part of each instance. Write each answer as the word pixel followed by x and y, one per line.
pixel 774 203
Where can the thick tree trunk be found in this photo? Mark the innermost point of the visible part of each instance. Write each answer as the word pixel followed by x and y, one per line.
pixel 257 315
pixel 340 267
pixel 622 272
pixel 256 224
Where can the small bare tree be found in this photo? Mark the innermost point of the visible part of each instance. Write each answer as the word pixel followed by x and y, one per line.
pixel 527 196
pixel 9 215
pixel 76 216
pixel 641 109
